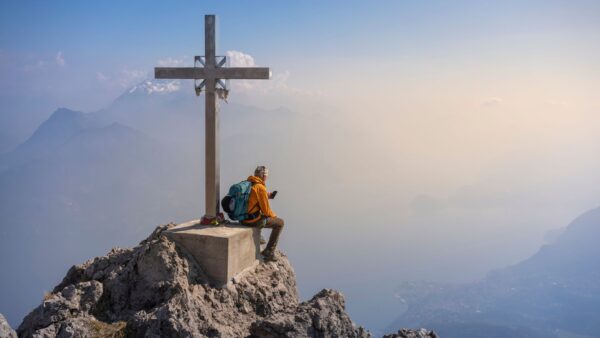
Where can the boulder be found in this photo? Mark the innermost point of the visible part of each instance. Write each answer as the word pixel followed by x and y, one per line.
pixel 322 316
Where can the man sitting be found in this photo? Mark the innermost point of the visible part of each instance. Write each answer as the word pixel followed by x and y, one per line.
pixel 258 205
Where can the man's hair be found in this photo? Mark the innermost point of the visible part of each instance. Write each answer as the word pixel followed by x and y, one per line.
pixel 261 170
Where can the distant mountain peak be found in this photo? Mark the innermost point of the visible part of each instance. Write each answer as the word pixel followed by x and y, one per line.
pixel 60 126
pixel 156 87
pixel 62 112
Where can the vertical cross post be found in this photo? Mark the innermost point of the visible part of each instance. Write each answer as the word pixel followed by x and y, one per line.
pixel 211 73
pixel 211 122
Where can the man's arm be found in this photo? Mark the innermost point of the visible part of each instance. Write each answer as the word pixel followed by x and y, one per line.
pixel 263 202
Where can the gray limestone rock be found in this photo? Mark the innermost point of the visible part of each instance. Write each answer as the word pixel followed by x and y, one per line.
pixel 408 333
pixel 5 330
pixel 322 316
pixel 156 290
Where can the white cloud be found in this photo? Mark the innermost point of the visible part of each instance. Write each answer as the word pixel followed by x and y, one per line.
pixel 171 62
pixel 32 62
pixel 238 59
pixel 60 60
pixel 39 64
pixel 129 77
pixel 278 84
pixel 491 101
pixel 101 77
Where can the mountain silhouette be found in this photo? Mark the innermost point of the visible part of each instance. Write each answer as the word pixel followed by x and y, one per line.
pixel 57 186
pixel 49 136
pixel 554 293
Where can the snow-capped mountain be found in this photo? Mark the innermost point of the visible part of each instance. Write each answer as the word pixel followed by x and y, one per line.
pixel 156 87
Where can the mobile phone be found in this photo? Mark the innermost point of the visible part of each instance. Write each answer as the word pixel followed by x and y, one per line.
pixel 273 194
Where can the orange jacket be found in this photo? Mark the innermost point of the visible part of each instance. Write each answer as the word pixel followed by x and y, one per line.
pixel 258 199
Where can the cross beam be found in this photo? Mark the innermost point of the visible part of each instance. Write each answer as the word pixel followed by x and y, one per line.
pixel 211 73
pixel 215 73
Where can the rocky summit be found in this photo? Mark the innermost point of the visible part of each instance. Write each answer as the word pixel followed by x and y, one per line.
pixel 5 330
pixel 157 290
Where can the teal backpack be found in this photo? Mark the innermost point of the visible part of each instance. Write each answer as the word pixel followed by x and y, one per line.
pixel 235 204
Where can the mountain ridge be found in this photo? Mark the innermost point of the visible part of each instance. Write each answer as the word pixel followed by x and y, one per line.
pixel 555 290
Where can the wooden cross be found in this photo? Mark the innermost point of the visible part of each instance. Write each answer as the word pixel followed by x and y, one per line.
pixel 212 73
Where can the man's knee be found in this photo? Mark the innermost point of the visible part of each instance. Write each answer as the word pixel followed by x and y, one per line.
pixel 279 222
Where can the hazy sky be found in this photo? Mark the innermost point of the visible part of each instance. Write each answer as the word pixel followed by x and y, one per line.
pixel 395 54
pixel 460 120
pixel 495 77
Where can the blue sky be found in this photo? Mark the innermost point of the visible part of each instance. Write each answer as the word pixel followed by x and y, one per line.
pixel 318 43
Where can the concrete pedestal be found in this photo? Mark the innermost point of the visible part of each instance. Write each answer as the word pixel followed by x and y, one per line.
pixel 221 251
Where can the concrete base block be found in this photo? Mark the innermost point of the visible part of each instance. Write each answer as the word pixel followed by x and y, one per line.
pixel 221 251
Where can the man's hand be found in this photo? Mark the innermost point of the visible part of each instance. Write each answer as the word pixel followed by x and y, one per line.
pixel 272 194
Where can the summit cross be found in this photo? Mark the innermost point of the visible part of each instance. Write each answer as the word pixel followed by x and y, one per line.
pixel 211 75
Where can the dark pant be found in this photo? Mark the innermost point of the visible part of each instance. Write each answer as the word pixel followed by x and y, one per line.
pixel 274 223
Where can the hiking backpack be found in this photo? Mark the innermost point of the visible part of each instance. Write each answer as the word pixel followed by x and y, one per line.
pixel 235 204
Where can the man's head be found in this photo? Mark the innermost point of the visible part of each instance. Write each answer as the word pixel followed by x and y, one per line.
pixel 262 172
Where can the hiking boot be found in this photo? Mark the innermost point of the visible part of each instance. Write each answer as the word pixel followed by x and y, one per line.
pixel 262 240
pixel 268 256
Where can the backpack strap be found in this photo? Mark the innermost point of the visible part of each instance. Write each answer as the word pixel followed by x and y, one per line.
pixel 256 214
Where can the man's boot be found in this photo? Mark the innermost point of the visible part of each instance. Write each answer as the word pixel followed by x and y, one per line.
pixel 268 255
pixel 269 252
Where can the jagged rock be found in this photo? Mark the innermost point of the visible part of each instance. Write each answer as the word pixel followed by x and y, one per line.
pixel 156 289
pixel 5 330
pixel 407 333
pixel 323 316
